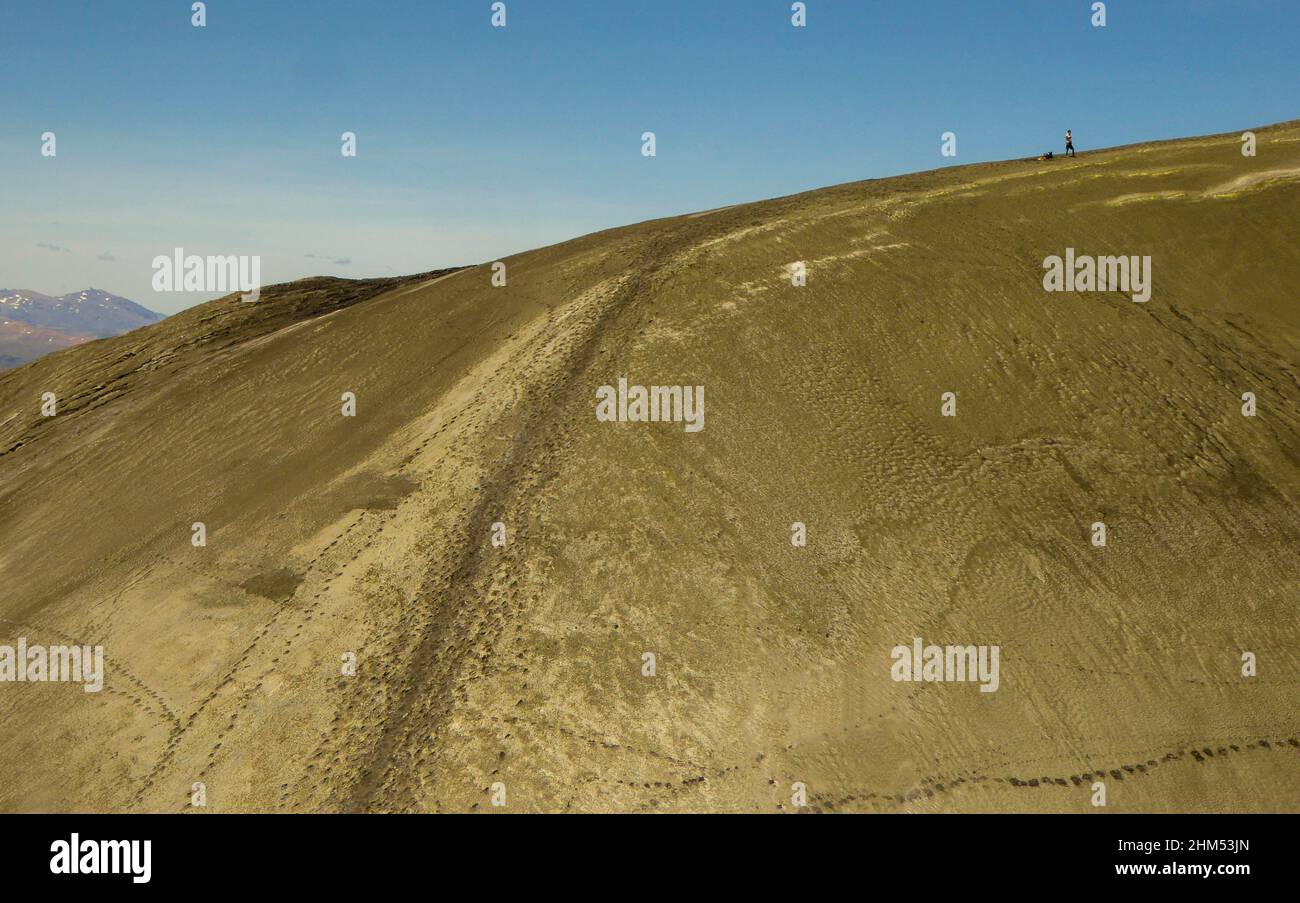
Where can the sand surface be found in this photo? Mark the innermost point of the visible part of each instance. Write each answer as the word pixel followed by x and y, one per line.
pixel 523 665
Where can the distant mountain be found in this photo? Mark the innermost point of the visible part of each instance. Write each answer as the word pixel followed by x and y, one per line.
pixel 92 312
pixel 33 324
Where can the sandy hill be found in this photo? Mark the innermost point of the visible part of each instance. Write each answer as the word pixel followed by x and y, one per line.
pixel 524 664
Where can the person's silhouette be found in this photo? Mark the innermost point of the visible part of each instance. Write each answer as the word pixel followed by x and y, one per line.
pixel 1069 144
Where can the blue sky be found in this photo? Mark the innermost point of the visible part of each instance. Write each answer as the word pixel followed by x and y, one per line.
pixel 475 142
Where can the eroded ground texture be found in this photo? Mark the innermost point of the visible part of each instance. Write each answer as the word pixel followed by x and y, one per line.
pixel 523 664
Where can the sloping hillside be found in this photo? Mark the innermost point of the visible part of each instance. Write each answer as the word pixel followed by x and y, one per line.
pixel 524 664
